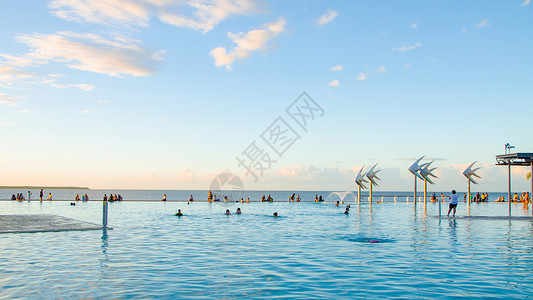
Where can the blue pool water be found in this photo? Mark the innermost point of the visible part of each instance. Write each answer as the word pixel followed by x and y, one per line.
pixel 313 251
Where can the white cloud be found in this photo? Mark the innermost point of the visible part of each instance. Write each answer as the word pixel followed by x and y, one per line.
pixel 334 83
pixel 484 23
pixel 8 100
pixel 381 69
pixel 255 40
pixel 362 76
pixel 90 52
pixel 326 18
pixel 29 112
pixel 86 111
pixel 102 101
pixel 105 12
pixel 10 75
pixel 407 47
pixel 5 124
pixel 337 68
pixel 407 65
pixel 204 14
pixel 414 25
pixel 525 3
pixel 83 86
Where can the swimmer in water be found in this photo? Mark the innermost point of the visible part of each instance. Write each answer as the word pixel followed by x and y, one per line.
pixel 275 214
pixel 238 211
pixel 347 211
pixel 179 213
pixel 227 212
pixel 337 204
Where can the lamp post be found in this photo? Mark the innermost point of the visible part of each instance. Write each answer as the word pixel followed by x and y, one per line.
pixel 470 173
pixel 414 169
pixel 425 172
pixel 371 175
pixel 360 180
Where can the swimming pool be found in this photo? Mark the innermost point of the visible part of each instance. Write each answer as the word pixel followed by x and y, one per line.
pixel 312 251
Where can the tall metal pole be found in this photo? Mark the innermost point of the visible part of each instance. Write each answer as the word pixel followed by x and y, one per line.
pixel 509 179
pixel 468 205
pixel 370 192
pixel 359 194
pixel 531 195
pixel 415 192
pixel 104 214
pixel 425 192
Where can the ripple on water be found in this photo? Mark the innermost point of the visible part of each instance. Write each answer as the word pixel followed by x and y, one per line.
pixel 311 251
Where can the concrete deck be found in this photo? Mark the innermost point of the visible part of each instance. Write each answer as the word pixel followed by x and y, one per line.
pixel 523 218
pixel 42 223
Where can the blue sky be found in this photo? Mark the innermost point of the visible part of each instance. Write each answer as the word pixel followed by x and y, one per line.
pixel 167 94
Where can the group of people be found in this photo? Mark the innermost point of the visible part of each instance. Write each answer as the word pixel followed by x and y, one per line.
pixel 523 198
pixel 20 196
pixel 113 198
pixel 227 213
pixel 483 197
pixel 83 197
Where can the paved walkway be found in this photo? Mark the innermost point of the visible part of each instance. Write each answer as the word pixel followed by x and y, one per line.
pixel 524 218
pixel 42 223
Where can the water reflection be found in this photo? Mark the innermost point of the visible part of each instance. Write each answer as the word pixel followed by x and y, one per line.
pixel 452 225
pixel 104 246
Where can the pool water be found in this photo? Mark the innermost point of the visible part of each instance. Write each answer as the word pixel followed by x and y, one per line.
pixel 312 251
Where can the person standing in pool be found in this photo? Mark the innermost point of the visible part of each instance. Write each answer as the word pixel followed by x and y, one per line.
pixel 453 203
pixel 41 195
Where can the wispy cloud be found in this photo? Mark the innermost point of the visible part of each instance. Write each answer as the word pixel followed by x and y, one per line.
pixel 9 100
pixel 83 86
pixel 326 18
pixel 362 76
pixel 414 25
pixel 201 15
pixel 463 29
pixel 525 3
pixel 337 68
pixel 29 112
pixel 5 124
pixel 381 69
pixel 87 111
pixel 107 12
pixel 103 101
pixel 407 47
pixel 89 52
pixel 247 43
pixel 204 14
pixel 484 23
pixel 407 65
pixel 10 75
pixel 334 82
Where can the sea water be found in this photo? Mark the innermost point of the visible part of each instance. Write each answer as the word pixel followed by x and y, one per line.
pixel 312 251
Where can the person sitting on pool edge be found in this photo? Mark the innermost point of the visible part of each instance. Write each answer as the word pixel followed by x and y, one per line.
pixel 453 203
pixel 179 213
pixel 238 211
pixel 227 212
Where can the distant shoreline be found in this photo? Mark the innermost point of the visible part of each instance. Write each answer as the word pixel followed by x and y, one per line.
pixel 45 187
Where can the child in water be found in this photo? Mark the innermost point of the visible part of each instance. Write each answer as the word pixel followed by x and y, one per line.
pixel 275 214
pixel 179 213
pixel 227 212
pixel 238 211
